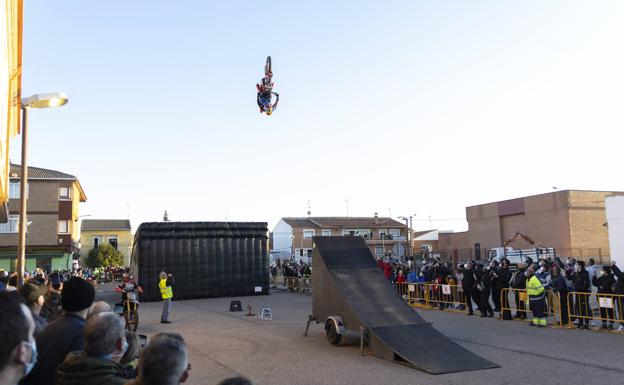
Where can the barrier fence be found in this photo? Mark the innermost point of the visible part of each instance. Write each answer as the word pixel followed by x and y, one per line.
pixel 294 284
pixel 611 307
pixel 515 303
pixel 426 295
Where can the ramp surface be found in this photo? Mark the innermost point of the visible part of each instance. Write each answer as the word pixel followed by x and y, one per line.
pixel 348 283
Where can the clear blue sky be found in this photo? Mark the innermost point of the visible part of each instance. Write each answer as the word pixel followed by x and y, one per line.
pixel 415 106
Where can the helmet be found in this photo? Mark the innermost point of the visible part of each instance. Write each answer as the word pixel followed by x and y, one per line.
pixel 269 110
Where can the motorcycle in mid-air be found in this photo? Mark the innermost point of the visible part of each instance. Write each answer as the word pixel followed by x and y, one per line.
pixel 265 90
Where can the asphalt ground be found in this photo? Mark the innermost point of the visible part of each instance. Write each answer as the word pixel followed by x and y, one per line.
pixel 223 344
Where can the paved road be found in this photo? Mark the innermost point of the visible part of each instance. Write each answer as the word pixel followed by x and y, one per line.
pixel 223 344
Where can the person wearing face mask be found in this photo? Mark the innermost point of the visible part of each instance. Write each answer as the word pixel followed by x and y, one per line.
pixel 619 290
pixel 560 286
pixel 105 344
pixel 65 333
pixel 518 282
pixel 536 292
pixel 581 283
pixel 604 283
pixel 18 349
pixel 469 286
pixel 503 276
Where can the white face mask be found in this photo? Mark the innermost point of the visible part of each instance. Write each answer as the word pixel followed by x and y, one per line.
pixel 601 273
pixel 28 367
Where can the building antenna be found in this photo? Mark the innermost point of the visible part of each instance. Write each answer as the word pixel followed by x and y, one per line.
pixel 389 212
pixel 309 208
pixel 347 204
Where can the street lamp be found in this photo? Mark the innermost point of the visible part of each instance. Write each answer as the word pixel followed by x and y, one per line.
pixel 38 101
pixel 406 236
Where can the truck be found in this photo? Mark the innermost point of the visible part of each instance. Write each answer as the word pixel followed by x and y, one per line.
pixel 516 256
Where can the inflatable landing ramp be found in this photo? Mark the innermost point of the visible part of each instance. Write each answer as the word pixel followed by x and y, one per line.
pixel 348 284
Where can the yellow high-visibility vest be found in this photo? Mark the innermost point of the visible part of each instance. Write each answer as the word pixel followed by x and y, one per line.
pixel 165 291
pixel 534 288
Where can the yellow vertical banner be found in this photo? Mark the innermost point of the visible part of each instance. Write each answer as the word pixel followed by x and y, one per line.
pixel 11 26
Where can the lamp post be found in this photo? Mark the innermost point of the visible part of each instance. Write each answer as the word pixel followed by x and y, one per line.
pixel 406 235
pixel 35 101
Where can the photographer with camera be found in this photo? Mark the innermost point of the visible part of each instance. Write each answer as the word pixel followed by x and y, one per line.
pixel 166 292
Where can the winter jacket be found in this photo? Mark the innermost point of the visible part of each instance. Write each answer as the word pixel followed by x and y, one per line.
pixel 519 280
pixel 59 338
pixel 619 285
pixel 504 276
pixel 82 369
pixel 470 279
pixel 580 281
pixel 51 306
pixel 604 283
pixel 560 286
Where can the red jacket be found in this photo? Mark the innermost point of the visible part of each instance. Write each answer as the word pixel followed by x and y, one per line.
pixel 387 267
pixel 400 278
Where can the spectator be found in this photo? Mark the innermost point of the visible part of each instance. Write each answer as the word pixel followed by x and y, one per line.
pixel 164 361
pixel 559 285
pixel 605 283
pixel 65 333
pixel 591 270
pixel 469 283
pixel 4 279
pixel 494 269
pixel 34 300
pixel 581 281
pixel 619 290
pixel 104 335
pixel 99 307
pixel 11 285
pixel 485 286
pixel 18 350
pixel 503 277
pixel 236 381
pixel 130 359
pixel 52 303
pixel 400 277
pixel 518 282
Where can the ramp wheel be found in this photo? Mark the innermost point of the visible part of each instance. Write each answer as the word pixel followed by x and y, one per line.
pixel 332 334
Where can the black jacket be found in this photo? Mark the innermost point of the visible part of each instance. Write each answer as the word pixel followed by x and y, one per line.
pixel 519 281
pixel 581 281
pixel 63 335
pixel 619 285
pixel 503 277
pixel 604 283
pixel 560 286
pixel 470 278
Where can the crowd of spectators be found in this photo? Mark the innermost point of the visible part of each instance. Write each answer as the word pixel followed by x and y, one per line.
pixel 481 284
pixel 54 332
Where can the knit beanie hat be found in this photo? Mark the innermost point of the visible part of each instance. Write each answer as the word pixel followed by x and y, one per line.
pixel 77 294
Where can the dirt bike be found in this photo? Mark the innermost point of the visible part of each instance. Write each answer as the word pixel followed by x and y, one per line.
pixel 129 309
pixel 267 84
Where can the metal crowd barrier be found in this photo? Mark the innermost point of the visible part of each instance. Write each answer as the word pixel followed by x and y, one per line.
pixel 516 301
pixel 611 307
pixel 446 297
pixel 427 295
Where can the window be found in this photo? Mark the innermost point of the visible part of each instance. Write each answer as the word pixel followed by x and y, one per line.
pixel 383 233
pixel 97 241
pixel 379 250
pixel 63 227
pixel 395 232
pixel 112 240
pixel 64 193
pixel 14 190
pixel 326 232
pixel 348 232
pixel 11 226
pixel 307 234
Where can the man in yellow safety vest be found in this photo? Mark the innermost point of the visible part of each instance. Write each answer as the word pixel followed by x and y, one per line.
pixel 536 293
pixel 166 292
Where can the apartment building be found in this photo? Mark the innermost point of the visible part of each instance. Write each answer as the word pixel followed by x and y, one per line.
pixel 292 236
pixel 116 232
pixel 52 235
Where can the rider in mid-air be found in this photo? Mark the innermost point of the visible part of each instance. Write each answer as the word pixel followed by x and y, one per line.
pixel 265 92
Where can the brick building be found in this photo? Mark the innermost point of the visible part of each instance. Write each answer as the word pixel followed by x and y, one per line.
pixel 51 233
pixel 571 221
pixel 292 236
